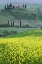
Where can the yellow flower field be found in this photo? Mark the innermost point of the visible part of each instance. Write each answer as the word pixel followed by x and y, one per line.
pixel 23 50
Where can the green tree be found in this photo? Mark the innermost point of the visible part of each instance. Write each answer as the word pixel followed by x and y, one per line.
pixel 25 6
pixel 20 23
pixel 38 10
pixel 5 6
pixel 13 23
pixel 8 22
pixel 10 5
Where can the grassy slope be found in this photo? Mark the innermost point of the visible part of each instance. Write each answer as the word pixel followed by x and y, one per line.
pixel 27 33
pixel 20 14
pixel 14 14
pixel 17 14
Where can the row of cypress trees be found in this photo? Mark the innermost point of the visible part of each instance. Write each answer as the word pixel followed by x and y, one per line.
pixel 12 23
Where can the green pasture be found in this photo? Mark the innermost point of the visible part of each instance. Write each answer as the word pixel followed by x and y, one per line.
pixel 17 29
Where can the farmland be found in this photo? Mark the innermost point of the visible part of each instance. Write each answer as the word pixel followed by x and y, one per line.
pixel 21 50
pixel 24 47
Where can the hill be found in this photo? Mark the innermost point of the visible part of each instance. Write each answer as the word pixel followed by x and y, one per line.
pixel 15 14
pixel 28 16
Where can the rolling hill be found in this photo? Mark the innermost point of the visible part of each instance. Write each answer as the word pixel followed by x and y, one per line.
pixel 29 15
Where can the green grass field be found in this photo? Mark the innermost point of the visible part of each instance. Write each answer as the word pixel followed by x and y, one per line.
pixel 17 29
pixel 25 32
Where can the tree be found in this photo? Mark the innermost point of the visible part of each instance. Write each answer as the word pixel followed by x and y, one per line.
pixel 5 6
pixel 8 23
pixel 20 23
pixel 10 5
pixel 13 23
pixel 25 6
pixel 38 10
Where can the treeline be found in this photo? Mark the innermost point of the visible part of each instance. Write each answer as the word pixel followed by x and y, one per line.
pixel 10 6
pixel 13 25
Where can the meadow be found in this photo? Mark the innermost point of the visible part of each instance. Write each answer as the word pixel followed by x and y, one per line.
pixel 2 29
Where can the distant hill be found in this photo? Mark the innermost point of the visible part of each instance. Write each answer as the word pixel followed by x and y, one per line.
pixel 30 14
pixel 17 14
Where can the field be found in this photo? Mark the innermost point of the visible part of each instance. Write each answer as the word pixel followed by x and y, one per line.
pixel 21 50
pixel 2 29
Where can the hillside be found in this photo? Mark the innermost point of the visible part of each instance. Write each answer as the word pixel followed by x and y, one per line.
pixel 26 33
pixel 21 13
pixel 27 16
pixel 15 14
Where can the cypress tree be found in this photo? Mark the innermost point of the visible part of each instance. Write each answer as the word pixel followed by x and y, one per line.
pixel 20 23
pixel 5 7
pixel 13 23
pixel 25 6
pixel 8 23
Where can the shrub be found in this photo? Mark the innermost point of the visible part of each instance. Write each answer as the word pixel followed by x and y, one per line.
pixel 41 27
pixel 5 32
pixel 13 32
pixel 9 33
pixel 0 35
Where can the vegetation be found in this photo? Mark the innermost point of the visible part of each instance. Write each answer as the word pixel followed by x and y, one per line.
pixel 6 33
pixel 21 45
pixel 20 14
pixel 23 50
pixel 27 33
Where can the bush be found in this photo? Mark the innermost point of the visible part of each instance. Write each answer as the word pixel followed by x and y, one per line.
pixel 13 32
pixel 5 25
pixel 0 35
pixel 4 35
pixel 26 26
pixel 41 27
pixel 9 33
pixel 5 32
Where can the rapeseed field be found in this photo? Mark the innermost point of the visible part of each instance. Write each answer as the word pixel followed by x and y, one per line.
pixel 21 50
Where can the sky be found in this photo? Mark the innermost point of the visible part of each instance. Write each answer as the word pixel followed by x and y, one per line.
pixel 21 1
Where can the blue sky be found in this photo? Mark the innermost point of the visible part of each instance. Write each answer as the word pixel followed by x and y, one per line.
pixel 27 1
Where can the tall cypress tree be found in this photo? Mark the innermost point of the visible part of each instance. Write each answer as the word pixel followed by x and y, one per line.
pixel 5 7
pixel 13 23
pixel 25 6
pixel 8 22
pixel 20 23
